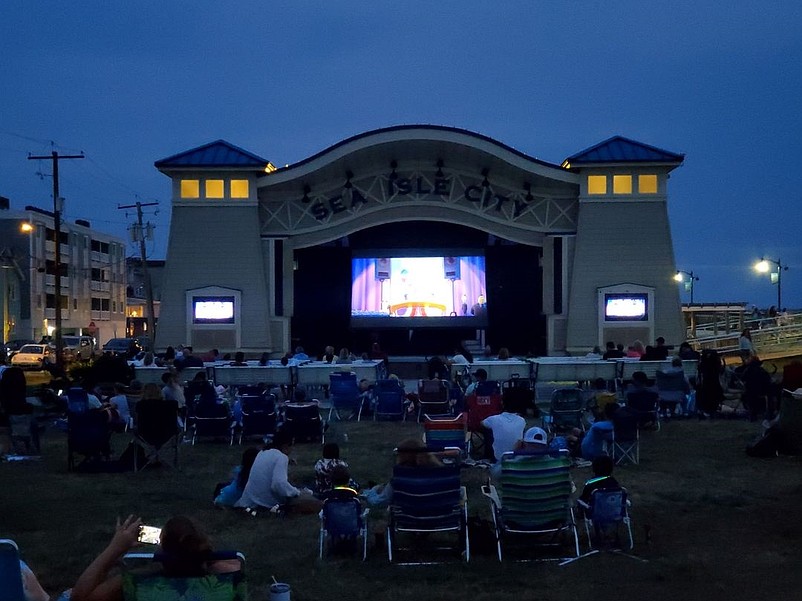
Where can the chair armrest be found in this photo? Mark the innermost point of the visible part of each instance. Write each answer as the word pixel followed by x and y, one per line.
pixel 491 493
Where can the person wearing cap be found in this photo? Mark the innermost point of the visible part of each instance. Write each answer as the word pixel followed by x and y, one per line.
pixel 535 439
pixel 505 429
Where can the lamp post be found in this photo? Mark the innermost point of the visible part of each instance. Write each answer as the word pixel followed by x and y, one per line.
pixel 679 277
pixel 764 266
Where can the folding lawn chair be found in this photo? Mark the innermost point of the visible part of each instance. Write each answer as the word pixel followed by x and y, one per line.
pixel 535 501
pixel 479 407
pixel 212 420
pixel 645 404
pixel 10 572
pixel 566 411
pixel 146 584
pixel 390 400
pixel 77 400
pixel 433 398
pixel 626 438
pixel 604 517
pixel 343 523
pixel 302 421
pixel 258 416
pixel 88 434
pixel 427 501
pixel 344 395
pixel 157 431
pixel 672 390
pixel 446 433
pixel 518 395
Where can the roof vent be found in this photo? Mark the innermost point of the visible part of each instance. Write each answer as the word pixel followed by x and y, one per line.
pixel 82 222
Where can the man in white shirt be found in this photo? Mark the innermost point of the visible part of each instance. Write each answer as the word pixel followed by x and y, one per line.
pixel 506 431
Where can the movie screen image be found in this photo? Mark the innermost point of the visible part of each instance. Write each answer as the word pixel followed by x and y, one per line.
pixel 218 309
pixel 625 307
pixel 424 290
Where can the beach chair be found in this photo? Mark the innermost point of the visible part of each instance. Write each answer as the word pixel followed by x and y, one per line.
pixel 10 573
pixel 433 398
pixel 212 420
pixel 534 502
pixel 441 434
pixel 645 404
pixel 390 400
pixel 302 421
pixel 344 395
pixel 626 438
pixel 343 525
pixel 672 390
pixel 77 400
pixel 604 517
pixel 518 395
pixel 258 416
pixel 157 432
pixel 566 411
pixel 88 434
pixel 141 582
pixel 479 407
pixel 427 503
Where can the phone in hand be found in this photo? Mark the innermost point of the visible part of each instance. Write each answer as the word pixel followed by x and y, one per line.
pixel 149 535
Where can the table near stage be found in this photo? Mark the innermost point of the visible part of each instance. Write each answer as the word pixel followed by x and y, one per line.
pixel 498 371
pixel 273 373
pixel 153 374
pixel 316 373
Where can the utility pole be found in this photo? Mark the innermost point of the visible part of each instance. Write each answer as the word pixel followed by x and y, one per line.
pixel 139 235
pixel 57 208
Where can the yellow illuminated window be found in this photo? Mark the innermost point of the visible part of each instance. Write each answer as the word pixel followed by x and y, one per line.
pixel 214 188
pixel 647 184
pixel 190 188
pixel 622 184
pixel 597 184
pixel 239 188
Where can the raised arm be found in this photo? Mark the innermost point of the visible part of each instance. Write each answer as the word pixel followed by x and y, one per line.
pixel 94 584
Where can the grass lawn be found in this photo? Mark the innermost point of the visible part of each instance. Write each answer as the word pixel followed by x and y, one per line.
pixel 721 525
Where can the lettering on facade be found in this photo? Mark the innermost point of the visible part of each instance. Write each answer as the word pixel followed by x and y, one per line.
pixel 399 187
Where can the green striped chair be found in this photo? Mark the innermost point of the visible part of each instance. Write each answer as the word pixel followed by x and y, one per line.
pixel 535 500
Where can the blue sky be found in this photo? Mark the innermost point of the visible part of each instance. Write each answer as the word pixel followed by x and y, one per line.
pixel 129 83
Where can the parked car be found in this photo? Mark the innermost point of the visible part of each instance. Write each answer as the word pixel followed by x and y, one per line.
pixel 13 346
pixel 78 348
pixel 126 347
pixel 34 356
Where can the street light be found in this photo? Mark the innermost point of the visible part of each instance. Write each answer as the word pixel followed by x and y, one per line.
pixel 679 277
pixel 764 266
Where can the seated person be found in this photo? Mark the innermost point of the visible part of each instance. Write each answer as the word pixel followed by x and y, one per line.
pixel 686 352
pixel 595 441
pixel 325 466
pixel 268 484
pixel 602 478
pixel 227 495
pixel 239 360
pixel 409 453
pixel 184 544
pixel 506 430
pixel 341 485
pixel 481 376
pixel 611 352
pixel 300 355
pixel 119 402
pixel 535 440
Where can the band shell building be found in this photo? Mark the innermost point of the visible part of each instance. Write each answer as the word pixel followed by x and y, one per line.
pixel 420 237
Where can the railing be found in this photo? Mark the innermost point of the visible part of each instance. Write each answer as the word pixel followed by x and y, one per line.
pixel 783 339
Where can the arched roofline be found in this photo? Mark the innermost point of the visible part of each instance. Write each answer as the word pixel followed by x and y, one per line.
pixel 435 133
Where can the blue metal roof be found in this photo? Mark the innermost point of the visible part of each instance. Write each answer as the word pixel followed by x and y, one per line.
pixel 215 154
pixel 619 149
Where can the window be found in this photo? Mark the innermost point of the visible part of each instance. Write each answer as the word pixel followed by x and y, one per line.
pixel 239 188
pixel 647 184
pixel 597 184
pixel 190 188
pixel 622 184
pixel 75 304
pixel 214 188
pixel 95 304
pixel 113 306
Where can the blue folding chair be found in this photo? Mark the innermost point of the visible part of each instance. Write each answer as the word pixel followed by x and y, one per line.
pixel 344 395
pixel 10 573
pixel 212 420
pixel 258 416
pixel 77 400
pixel 302 421
pixel 343 524
pixel 88 434
pixel 390 400
pixel 427 500
pixel 566 410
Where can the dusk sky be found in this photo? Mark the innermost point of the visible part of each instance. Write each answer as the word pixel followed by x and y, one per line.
pixel 129 83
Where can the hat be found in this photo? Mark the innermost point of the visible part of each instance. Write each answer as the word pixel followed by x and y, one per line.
pixel 536 435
